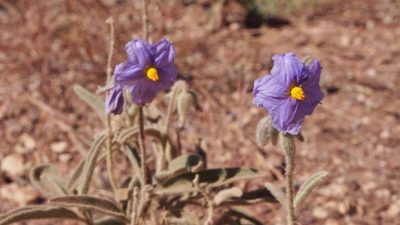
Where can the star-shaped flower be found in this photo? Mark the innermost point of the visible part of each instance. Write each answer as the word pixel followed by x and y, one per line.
pixel 149 69
pixel 290 92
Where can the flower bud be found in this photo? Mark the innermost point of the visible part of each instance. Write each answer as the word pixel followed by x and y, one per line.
pixel 183 103
pixel 264 131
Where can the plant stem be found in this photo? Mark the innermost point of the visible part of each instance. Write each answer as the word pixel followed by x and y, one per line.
pixel 109 163
pixel 142 147
pixel 289 148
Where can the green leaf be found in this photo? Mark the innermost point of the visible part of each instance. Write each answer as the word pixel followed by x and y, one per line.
pixel 47 180
pixel 308 186
pixel 133 156
pixel 110 221
pixel 227 194
pixel 88 202
pixel 91 99
pixel 210 177
pixel 75 175
pixel 90 163
pixel 128 133
pixel 184 162
pixel 37 212
pixel 276 192
pixel 252 197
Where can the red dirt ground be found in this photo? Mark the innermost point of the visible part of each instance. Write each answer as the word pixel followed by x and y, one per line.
pixel 47 46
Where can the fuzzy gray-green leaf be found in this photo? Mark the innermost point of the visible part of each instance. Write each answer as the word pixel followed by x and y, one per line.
pixel 308 186
pixel 133 157
pixel 183 162
pixel 37 212
pixel 91 99
pixel 227 194
pixel 252 197
pixel 90 162
pixel 88 202
pixel 110 221
pixel 47 180
pixel 276 192
pixel 209 177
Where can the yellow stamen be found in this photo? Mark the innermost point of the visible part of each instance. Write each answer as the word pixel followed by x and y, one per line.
pixel 152 74
pixel 297 93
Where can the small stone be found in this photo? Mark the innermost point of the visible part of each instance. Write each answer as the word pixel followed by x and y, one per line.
pixel 58 147
pixel 21 195
pixel 13 165
pixel 371 72
pixel 394 210
pixel 64 158
pixel 27 144
pixel 320 213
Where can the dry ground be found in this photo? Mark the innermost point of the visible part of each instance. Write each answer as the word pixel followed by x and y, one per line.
pixel 47 46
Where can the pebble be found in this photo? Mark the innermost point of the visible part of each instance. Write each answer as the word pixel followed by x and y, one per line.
pixel 59 147
pixel 394 209
pixel 26 144
pixel 21 195
pixel 320 213
pixel 64 158
pixel 13 165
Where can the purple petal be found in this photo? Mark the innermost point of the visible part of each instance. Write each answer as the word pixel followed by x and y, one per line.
pixel 268 92
pixel 140 52
pixel 167 77
pixel 312 91
pixel 287 117
pixel 144 91
pixel 115 101
pixel 164 54
pixel 288 68
pixel 127 73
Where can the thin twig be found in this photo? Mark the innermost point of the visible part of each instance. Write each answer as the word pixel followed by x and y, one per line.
pixel 145 20
pixel 62 122
pixel 109 127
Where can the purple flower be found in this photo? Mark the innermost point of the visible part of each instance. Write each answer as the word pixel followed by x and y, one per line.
pixel 149 69
pixel 290 93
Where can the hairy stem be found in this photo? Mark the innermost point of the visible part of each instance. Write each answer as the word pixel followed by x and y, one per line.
pixel 142 147
pixel 109 128
pixel 289 148
pixel 134 206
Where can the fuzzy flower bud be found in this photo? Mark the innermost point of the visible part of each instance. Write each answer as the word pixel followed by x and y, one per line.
pixel 183 103
pixel 264 131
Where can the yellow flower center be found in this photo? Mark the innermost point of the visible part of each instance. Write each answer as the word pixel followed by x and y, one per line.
pixel 152 74
pixel 297 93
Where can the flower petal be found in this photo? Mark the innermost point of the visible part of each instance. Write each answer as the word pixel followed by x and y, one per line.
pixel 268 92
pixel 167 77
pixel 144 91
pixel 287 117
pixel 140 52
pixel 164 54
pixel 288 68
pixel 127 73
pixel 312 91
pixel 115 101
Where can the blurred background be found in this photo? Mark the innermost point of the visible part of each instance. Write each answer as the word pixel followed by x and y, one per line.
pixel 222 47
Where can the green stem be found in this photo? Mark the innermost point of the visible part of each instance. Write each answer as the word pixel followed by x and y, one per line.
pixel 289 149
